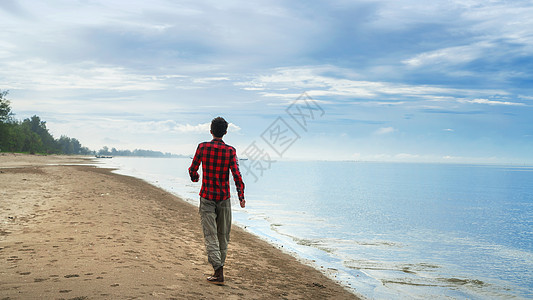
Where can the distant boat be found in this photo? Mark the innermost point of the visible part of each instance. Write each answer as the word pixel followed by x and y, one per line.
pixel 103 156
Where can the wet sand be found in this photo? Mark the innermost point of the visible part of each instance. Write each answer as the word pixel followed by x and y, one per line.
pixel 80 232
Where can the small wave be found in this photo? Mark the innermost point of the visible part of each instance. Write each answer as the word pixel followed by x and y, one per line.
pixel 458 281
pixel 384 266
pixel 437 282
pixel 313 243
pixel 377 243
pixel 406 282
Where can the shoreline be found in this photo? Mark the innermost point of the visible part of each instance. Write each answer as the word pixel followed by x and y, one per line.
pixel 70 230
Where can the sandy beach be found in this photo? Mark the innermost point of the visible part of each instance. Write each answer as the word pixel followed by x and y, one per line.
pixel 70 231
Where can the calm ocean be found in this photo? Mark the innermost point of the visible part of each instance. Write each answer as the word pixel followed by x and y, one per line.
pixel 386 230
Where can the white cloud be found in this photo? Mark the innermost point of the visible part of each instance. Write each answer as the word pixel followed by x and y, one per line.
pixel 187 128
pixel 385 130
pixel 379 103
pixel 492 102
pixel 356 156
pixel 173 126
pixel 317 82
pixel 406 156
pixel 452 158
pixel 209 79
pixel 39 74
pixel 525 97
pixel 450 55
pixel 487 30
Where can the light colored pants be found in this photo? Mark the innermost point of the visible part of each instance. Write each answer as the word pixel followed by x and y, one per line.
pixel 216 223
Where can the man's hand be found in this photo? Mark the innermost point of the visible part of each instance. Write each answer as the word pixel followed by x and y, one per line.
pixel 243 203
pixel 195 177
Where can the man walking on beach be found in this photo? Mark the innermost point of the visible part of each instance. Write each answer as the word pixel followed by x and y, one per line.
pixel 217 160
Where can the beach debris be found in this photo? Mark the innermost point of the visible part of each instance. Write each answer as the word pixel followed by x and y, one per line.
pixel 316 284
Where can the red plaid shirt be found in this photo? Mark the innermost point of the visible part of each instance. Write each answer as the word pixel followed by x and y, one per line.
pixel 217 159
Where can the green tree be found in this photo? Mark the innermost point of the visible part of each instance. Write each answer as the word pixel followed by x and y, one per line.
pixel 76 146
pixel 31 142
pixel 49 144
pixel 65 145
pixel 31 135
pixel 104 151
pixel 70 146
pixel 14 139
pixel 5 120
pixel 5 109
pixel 86 151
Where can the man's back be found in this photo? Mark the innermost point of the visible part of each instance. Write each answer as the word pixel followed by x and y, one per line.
pixel 217 159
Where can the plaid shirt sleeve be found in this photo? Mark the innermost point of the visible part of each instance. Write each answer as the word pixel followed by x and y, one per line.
pixel 193 169
pixel 239 184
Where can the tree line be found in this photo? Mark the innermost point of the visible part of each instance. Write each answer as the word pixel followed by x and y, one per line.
pixel 105 151
pixel 31 135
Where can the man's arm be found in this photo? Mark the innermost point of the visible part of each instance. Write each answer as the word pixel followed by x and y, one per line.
pixel 239 184
pixel 193 169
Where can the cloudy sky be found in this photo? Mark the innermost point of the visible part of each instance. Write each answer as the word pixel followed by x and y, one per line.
pixel 446 81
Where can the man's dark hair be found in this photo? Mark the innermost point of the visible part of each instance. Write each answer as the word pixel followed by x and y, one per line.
pixel 219 127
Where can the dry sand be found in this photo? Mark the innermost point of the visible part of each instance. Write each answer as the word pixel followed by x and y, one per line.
pixel 81 232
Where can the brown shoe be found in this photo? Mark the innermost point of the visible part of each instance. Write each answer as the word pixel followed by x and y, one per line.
pixel 218 277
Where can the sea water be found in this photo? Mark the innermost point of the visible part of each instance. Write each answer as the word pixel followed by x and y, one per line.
pixel 386 230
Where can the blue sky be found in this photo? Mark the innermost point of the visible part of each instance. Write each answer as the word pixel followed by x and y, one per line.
pixel 440 81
